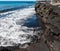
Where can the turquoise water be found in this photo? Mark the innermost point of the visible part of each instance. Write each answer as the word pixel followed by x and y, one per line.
pixel 14 4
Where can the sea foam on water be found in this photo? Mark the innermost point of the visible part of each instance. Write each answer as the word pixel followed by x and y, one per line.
pixel 11 29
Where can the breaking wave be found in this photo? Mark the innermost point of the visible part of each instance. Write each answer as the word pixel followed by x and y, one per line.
pixel 12 31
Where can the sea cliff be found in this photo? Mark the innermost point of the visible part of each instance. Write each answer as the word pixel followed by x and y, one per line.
pixel 50 16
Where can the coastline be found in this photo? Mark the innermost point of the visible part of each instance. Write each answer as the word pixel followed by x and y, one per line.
pixel 19 16
pixel 50 16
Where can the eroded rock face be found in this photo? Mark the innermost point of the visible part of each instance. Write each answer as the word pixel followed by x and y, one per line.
pixel 50 16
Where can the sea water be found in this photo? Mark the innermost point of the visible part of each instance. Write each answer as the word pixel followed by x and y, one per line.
pixel 14 4
pixel 17 26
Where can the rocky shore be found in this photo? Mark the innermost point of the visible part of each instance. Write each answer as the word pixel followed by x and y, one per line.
pixel 50 16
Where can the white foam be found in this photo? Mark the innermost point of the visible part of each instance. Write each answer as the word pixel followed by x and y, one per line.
pixel 10 32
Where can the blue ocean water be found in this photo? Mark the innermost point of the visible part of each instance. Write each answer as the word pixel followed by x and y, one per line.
pixel 16 24
pixel 15 4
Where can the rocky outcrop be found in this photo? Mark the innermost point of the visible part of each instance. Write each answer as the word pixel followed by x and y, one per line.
pixel 50 16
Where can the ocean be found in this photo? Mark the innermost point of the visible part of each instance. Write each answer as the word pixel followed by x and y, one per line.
pixel 17 23
pixel 15 4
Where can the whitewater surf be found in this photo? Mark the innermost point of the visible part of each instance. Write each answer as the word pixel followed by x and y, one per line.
pixel 11 30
